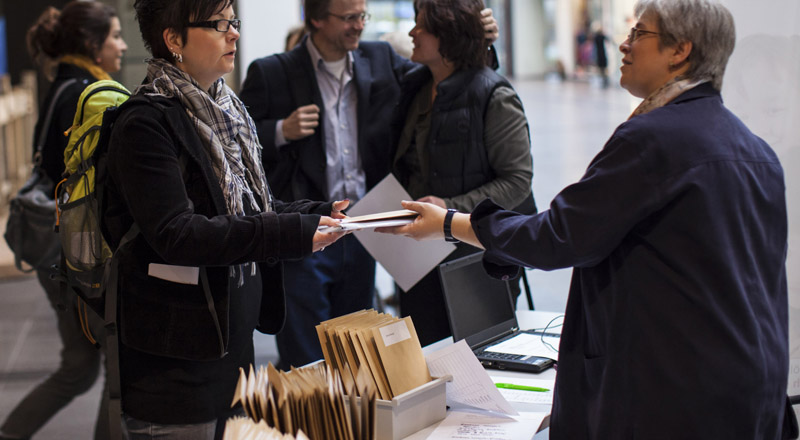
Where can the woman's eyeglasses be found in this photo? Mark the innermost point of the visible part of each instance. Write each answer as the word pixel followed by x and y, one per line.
pixel 352 18
pixel 636 33
pixel 222 25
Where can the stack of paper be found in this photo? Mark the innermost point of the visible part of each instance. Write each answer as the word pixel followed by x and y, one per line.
pixel 383 348
pixel 308 401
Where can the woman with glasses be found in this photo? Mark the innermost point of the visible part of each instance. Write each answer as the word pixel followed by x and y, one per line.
pixel 676 324
pixel 462 136
pixel 204 270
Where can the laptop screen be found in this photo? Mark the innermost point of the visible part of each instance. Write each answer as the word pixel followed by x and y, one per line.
pixel 479 307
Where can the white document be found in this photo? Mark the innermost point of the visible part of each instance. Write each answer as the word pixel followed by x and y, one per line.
pixel 526 344
pixel 406 260
pixel 471 385
pixel 474 425
pixel 176 274
pixel 522 396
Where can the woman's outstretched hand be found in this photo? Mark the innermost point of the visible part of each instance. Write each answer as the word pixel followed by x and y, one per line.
pixel 427 226
pixel 323 239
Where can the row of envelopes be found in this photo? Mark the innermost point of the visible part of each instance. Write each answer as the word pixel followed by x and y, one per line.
pixel 378 346
pixel 308 402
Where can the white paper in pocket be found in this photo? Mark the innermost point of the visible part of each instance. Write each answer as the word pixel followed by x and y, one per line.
pixel 176 274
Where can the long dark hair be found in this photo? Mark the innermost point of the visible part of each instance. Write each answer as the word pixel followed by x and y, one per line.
pixel 154 16
pixel 457 24
pixel 80 28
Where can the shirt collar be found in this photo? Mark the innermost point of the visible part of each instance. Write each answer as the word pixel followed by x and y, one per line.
pixel 316 57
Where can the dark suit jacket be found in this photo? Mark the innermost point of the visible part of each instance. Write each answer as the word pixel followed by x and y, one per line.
pixel 278 84
pixel 677 319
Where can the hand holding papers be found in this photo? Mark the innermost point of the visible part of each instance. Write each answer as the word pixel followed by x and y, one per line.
pixel 379 220
pixel 406 260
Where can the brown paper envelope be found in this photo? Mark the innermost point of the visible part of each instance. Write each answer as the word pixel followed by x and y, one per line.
pixel 373 360
pixel 401 356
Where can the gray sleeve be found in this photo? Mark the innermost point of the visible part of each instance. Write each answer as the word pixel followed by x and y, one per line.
pixel 508 147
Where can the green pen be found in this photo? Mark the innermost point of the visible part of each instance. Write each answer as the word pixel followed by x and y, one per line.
pixel 511 386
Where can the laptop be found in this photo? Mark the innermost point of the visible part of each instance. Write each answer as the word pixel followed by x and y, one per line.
pixel 480 311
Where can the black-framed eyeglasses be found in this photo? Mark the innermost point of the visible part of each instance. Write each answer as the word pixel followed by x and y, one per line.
pixel 221 25
pixel 636 33
pixel 352 18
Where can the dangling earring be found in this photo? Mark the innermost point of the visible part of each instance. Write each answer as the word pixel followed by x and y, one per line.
pixel 178 57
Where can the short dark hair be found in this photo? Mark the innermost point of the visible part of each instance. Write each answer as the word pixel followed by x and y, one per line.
pixel 80 28
pixel 315 10
pixel 154 16
pixel 457 24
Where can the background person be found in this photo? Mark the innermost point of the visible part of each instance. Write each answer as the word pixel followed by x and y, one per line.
pixel 323 113
pixel 185 167
pixel 85 41
pixel 463 137
pixel 676 322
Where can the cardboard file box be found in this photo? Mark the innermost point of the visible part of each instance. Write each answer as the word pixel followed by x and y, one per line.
pixel 412 411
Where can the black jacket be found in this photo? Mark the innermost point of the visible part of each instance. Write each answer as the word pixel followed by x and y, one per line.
pixel 181 217
pixel 278 84
pixel 63 115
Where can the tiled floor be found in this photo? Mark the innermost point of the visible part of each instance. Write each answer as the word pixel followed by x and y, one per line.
pixel 569 123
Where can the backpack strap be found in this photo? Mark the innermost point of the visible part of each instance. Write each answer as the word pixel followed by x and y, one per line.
pixel 48 117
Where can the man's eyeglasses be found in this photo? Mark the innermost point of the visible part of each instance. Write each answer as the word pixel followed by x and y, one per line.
pixel 222 25
pixel 636 33
pixel 352 18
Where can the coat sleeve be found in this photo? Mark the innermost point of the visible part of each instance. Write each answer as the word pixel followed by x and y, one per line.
pixel 143 165
pixel 586 221
pixel 508 148
pixel 256 96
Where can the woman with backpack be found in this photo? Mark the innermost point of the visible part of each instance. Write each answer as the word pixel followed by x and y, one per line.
pixel 83 43
pixel 204 271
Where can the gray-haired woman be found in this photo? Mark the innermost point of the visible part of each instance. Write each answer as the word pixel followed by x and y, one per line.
pixel 676 323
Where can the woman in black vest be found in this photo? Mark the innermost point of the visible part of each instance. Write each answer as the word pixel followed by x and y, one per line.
pixel 83 43
pixel 462 136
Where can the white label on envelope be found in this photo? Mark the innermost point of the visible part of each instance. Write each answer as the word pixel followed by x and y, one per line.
pixel 394 333
pixel 176 274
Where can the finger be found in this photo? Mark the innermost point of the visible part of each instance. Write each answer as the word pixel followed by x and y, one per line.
pixel 328 221
pixel 341 205
pixel 308 116
pixel 486 12
pixel 414 206
pixel 310 108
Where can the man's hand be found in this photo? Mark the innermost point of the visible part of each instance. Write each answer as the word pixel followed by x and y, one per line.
pixel 490 28
pixel 301 123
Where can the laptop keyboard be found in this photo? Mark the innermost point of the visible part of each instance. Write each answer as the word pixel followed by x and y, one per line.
pixel 501 356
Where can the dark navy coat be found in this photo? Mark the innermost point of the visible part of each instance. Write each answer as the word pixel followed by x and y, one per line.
pixel 676 322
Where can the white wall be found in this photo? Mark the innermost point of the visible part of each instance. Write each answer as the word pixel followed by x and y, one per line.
pixel 761 86
pixel 528 27
pixel 265 24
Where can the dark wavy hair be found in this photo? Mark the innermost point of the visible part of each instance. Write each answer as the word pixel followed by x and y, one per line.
pixel 154 16
pixel 80 28
pixel 457 24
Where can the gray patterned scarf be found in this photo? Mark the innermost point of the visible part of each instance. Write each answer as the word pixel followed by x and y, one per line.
pixel 226 129
pixel 228 134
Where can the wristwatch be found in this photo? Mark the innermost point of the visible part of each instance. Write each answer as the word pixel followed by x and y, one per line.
pixel 448 222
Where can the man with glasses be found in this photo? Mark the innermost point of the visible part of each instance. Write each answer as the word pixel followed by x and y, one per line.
pixel 323 111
